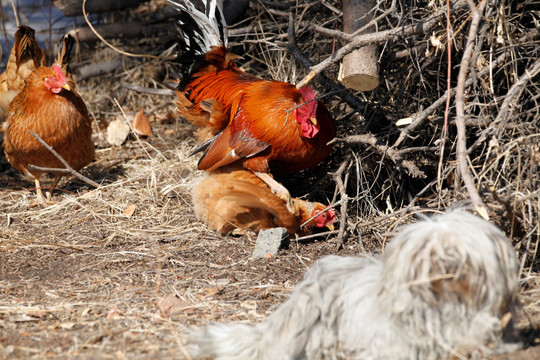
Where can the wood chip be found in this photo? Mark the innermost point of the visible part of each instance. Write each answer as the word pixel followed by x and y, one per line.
pixel 117 132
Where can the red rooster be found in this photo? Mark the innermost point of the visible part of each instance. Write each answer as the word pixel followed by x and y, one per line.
pixel 49 107
pixel 264 125
pixel 232 198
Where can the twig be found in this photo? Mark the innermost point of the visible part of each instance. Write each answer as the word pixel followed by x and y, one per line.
pixel 109 44
pixel 444 133
pixel 461 147
pixel 341 184
pixel 67 170
pixel 385 150
pixel 514 90
pixel 146 90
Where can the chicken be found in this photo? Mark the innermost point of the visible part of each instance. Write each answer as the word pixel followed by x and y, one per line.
pixel 234 198
pixel 269 127
pixel 25 56
pixel 49 107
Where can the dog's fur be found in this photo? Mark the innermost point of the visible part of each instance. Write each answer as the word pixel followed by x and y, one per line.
pixel 439 291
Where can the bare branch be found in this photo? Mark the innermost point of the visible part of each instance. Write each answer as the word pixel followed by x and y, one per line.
pixel 67 170
pixel 461 150
pixel 386 151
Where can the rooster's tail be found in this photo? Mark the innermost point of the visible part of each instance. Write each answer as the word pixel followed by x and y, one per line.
pixel 198 31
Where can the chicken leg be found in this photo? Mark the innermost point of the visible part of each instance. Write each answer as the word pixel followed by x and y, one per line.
pixel 277 188
pixel 40 199
pixel 48 194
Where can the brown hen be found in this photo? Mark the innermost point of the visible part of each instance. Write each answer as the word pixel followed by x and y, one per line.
pixel 49 107
pixel 25 56
pixel 234 198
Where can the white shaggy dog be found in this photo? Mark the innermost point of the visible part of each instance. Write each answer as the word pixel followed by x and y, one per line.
pixel 439 291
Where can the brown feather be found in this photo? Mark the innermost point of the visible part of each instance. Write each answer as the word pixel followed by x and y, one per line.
pixel 233 198
pixel 25 56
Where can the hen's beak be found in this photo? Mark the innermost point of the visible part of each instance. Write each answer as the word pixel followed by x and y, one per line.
pixel 66 86
pixel 313 120
pixel 330 227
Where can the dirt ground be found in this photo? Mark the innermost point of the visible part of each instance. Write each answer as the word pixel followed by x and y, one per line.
pixel 125 270
pixel 79 279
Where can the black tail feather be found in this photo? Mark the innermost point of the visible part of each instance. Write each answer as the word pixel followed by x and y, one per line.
pixel 197 32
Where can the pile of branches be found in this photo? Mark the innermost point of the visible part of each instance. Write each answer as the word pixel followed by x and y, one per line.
pixel 455 119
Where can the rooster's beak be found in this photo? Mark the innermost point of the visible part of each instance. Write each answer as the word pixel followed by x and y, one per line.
pixel 313 120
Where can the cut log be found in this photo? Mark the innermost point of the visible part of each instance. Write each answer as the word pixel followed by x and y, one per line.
pixel 359 70
pixel 74 7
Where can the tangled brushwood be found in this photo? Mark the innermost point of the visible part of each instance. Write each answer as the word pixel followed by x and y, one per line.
pixel 398 145
pixel 440 290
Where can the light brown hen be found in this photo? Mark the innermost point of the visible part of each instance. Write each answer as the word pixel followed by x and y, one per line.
pixel 25 56
pixel 234 198
pixel 49 107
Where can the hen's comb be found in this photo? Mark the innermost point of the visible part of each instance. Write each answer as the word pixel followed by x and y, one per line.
pixel 60 75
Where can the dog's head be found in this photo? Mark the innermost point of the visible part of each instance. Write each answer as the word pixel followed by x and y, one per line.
pixel 452 258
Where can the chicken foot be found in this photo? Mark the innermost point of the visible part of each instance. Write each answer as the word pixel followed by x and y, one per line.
pixel 277 188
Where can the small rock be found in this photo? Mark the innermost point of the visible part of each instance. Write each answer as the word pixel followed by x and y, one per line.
pixel 270 241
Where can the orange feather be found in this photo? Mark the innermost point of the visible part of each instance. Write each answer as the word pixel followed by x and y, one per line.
pixel 256 123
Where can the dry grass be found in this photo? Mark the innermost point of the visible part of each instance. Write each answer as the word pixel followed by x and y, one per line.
pixel 82 279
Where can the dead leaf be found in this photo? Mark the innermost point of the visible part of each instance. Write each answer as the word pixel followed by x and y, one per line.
pixel 141 125
pixel 129 210
pixel 117 132
pixel 172 303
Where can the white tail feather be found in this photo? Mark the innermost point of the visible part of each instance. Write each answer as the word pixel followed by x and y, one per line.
pixel 211 23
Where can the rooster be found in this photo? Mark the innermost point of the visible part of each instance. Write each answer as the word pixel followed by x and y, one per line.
pixel 48 106
pixel 264 125
pixel 25 56
pixel 232 198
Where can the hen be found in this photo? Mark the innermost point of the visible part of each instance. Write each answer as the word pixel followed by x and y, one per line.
pixel 48 106
pixel 234 198
pixel 25 56
pixel 264 125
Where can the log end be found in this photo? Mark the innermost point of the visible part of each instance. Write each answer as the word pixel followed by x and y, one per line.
pixel 359 82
